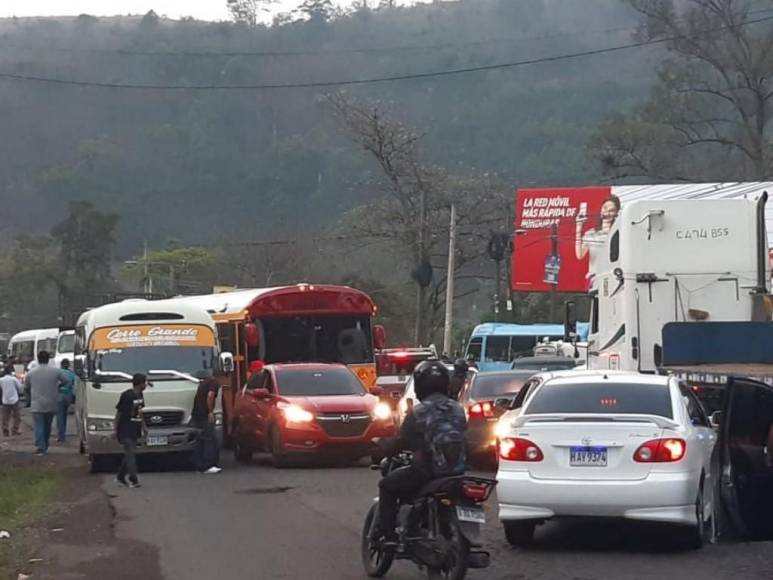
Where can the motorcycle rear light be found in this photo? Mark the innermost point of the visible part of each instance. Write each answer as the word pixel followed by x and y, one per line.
pixel 483 409
pixel 517 449
pixel 666 450
pixel 476 491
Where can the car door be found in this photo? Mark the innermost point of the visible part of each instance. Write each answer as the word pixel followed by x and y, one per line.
pixel 704 437
pixel 746 458
pixel 262 414
pixel 246 411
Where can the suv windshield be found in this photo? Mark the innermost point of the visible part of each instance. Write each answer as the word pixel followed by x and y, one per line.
pixel 605 398
pixel 313 383
pixel 185 359
pixel 492 385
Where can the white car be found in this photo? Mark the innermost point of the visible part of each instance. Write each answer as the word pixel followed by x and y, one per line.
pixel 605 444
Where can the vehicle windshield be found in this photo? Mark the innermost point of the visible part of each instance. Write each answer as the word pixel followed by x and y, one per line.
pixel 536 363
pixel 485 386
pixel 316 383
pixel 341 339
pixel 47 344
pixel 184 359
pixel 602 398
pixel 66 343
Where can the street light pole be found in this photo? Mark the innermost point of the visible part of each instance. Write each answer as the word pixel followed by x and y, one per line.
pixel 450 283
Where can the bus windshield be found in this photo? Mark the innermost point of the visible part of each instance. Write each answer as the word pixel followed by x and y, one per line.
pixel 341 339
pixel 197 361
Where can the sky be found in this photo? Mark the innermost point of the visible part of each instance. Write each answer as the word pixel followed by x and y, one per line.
pixel 200 9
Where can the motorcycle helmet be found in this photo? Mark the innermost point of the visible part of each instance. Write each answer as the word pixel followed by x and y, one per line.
pixel 430 376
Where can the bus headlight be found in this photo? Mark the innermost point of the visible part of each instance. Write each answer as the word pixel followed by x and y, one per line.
pixel 382 412
pixel 100 425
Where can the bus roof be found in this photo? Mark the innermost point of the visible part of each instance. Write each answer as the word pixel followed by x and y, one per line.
pixel 179 313
pixel 537 329
pixel 285 300
pixel 35 333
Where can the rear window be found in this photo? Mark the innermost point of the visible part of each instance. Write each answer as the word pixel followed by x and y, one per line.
pixel 544 365
pixel 314 383
pixel 486 386
pixel 399 364
pixel 606 398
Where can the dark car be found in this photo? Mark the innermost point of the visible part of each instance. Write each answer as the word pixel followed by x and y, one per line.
pixel 485 398
pixel 544 363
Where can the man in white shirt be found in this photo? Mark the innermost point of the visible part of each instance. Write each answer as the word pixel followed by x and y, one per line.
pixel 11 389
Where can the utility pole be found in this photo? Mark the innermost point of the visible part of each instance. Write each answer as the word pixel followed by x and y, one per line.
pixel 420 288
pixel 146 266
pixel 450 283
pixel 553 286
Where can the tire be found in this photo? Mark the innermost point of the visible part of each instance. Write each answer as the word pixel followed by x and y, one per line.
pixel 242 454
pixel 97 464
pixel 278 459
pixel 520 533
pixel 456 569
pixel 81 447
pixel 375 560
pixel 695 535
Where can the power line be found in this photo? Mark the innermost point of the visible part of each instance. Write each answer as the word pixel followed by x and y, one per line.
pixel 367 81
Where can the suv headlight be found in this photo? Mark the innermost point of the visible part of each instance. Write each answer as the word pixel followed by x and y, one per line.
pixel 296 414
pixel 382 412
pixel 100 425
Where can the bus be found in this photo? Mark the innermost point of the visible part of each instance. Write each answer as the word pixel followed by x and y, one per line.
pixel 493 346
pixel 299 323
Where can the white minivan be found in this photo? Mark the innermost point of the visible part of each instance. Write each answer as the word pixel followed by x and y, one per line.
pixel 25 346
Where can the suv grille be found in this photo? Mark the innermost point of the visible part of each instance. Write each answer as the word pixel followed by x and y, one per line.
pixel 344 424
pixel 163 418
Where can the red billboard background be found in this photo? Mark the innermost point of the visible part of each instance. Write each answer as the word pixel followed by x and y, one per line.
pixel 536 210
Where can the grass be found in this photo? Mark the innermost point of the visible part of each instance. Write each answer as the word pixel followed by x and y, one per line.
pixel 25 492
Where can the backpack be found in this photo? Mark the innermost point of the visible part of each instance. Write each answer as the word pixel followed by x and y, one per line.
pixel 444 425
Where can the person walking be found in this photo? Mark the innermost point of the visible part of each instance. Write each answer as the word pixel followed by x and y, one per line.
pixel 66 391
pixel 129 427
pixel 207 454
pixel 11 393
pixel 42 386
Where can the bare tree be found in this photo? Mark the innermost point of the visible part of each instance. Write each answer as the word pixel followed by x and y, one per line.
pixel 250 11
pixel 710 113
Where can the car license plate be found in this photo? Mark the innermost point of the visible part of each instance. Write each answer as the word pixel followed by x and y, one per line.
pixel 475 515
pixel 157 440
pixel 588 456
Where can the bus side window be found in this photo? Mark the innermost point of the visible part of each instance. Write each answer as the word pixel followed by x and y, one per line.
pixel 474 348
pixel 498 349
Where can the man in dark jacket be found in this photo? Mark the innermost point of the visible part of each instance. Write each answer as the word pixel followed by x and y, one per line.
pixel 207 454
pixel 129 427
pixel 431 381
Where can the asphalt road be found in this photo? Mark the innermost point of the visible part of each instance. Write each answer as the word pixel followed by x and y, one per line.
pixel 257 522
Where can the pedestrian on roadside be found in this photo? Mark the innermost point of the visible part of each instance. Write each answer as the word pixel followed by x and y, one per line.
pixel 11 394
pixel 206 457
pixel 66 393
pixel 42 385
pixel 129 427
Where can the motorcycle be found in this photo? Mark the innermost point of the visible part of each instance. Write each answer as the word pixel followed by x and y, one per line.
pixel 438 530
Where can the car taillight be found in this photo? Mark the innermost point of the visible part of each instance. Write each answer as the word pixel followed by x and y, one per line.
pixel 476 492
pixel 517 449
pixel 661 451
pixel 484 409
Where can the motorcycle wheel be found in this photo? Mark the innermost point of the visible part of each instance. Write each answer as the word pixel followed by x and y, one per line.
pixel 376 560
pixel 455 567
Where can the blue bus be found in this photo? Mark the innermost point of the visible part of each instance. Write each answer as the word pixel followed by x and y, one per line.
pixel 495 345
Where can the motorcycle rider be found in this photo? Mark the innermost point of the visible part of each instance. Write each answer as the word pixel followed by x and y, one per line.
pixel 458 379
pixel 430 460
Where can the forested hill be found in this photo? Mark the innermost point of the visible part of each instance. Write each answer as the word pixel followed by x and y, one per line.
pixel 204 165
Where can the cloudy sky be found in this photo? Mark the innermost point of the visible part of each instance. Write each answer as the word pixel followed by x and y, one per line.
pixel 201 9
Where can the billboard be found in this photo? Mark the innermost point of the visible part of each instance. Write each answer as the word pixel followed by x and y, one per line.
pixel 548 253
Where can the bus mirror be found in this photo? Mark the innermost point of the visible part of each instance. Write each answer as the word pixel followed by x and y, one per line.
pixel 251 335
pixel 227 362
pixel 78 366
pixel 379 336
pixel 570 321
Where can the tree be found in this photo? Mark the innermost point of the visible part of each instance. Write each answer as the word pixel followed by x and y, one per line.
pixel 317 10
pixel 709 116
pixel 176 268
pixel 250 12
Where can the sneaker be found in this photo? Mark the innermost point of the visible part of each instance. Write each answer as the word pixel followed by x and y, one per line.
pixel 121 480
pixel 135 484
pixel 40 453
pixel 213 469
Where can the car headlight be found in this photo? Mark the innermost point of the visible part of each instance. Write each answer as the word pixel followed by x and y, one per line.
pixel 296 414
pixel 101 425
pixel 382 412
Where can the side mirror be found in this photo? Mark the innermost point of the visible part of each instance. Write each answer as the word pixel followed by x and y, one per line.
pixel 715 420
pixel 251 335
pixel 260 393
pixel 570 321
pixel 375 391
pixel 379 336
pixel 227 362
pixel 79 367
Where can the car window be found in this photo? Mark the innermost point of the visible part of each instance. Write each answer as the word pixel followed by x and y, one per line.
pixel 694 407
pixel 486 386
pixel 523 393
pixel 605 397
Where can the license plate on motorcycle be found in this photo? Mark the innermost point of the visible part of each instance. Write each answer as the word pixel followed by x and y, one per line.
pixel 157 440
pixel 588 456
pixel 474 515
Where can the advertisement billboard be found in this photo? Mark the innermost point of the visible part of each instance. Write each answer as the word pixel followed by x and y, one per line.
pixel 554 228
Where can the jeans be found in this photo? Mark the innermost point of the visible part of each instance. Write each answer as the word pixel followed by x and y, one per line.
pixel 207 452
pixel 62 408
pixel 41 423
pixel 129 462
pixel 11 412
pixel 401 483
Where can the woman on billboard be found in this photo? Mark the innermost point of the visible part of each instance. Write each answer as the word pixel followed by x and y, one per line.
pixel 591 243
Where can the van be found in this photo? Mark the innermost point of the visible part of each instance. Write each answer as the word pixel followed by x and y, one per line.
pixel 174 343
pixel 25 346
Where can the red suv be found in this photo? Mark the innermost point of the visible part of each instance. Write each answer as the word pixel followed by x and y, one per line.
pixel 308 408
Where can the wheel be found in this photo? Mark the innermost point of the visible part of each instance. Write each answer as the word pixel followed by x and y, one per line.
pixel 81 447
pixel 455 566
pixel 97 463
pixel 242 453
pixel 520 533
pixel 278 459
pixel 376 560
pixel 695 535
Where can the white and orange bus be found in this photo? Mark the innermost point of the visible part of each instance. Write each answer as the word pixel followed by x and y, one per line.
pixel 300 323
